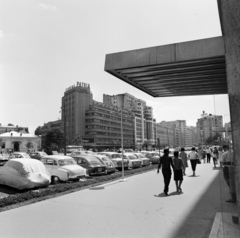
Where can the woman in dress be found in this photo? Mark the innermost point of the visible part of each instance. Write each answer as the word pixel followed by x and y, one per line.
pixel 178 170
pixel 184 158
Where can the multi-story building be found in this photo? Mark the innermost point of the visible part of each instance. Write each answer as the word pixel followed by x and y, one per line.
pixel 208 126
pixel 179 128
pixel 50 126
pixel 166 135
pixel 105 125
pixel 4 129
pixel 144 121
pixel 191 136
pixel 75 102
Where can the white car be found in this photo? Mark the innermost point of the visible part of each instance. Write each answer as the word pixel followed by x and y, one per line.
pixel 134 162
pixel 63 168
pixel 116 159
pixel 24 174
pixel 143 158
pixel 20 155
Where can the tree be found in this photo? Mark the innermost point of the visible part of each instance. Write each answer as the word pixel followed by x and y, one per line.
pixel 38 131
pixel 10 124
pixel 211 140
pixel 54 140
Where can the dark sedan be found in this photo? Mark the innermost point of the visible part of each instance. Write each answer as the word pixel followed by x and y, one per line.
pixel 37 155
pixel 92 164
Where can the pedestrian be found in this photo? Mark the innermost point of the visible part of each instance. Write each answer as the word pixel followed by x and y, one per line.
pixel 178 170
pixel 220 152
pixel 165 163
pixel 215 156
pixel 193 156
pixel 200 153
pixel 229 172
pixel 208 152
pixel 184 158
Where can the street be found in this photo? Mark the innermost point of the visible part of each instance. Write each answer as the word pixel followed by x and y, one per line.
pixel 136 207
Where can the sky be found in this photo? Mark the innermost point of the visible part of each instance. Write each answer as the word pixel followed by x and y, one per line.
pixel 47 46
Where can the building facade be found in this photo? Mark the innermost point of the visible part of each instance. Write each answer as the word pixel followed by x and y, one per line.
pixel 50 126
pixel 103 124
pixel 75 102
pixel 208 126
pixel 4 129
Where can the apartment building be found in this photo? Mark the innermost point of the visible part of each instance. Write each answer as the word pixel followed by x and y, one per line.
pixel 166 135
pixel 145 124
pixel 50 126
pixel 75 102
pixel 208 126
pixel 103 127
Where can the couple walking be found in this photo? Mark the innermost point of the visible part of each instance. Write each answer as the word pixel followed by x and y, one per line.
pixel 165 163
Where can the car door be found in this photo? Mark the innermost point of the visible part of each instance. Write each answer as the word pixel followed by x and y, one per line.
pixel 50 166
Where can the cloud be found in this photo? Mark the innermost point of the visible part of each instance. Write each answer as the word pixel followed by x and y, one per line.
pixel 48 6
pixel 1 34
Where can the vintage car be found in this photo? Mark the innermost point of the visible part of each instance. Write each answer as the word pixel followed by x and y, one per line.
pixel 24 174
pixel 133 161
pixel 77 152
pixel 63 168
pixel 92 164
pixel 3 159
pixel 108 162
pixel 37 154
pixel 116 159
pixel 152 155
pixel 144 160
pixel 19 155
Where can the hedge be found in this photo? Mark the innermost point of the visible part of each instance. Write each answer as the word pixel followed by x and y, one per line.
pixel 31 196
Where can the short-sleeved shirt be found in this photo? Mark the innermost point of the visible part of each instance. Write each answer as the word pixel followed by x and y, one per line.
pixel 178 163
pixel 193 155
pixel 165 162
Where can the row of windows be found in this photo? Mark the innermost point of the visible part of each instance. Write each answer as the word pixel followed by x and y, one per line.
pixel 106 134
pixel 107 122
pixel 107 116
pixel 107 128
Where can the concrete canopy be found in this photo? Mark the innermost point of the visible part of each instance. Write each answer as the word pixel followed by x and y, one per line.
pixel 181 69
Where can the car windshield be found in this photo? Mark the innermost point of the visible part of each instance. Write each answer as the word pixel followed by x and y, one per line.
pixel 63 162
pixel 42 153
pixel 140 156
pixel 131 157
pixel 93 160
pixel 115 156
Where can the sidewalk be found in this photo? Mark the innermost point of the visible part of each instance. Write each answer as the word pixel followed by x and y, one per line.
pixel 135 208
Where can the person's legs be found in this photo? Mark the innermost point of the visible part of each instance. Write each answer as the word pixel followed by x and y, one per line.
pixel 193 164
pixel 214 162
pixel 180 183
pixel 208 158
pixel 176 182
pixel 167 177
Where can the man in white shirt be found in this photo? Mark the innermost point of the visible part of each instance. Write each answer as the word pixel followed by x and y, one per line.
pixel 208 152
pixel 193 156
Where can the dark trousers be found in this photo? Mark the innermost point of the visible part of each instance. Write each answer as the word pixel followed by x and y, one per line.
pixel 193 164
pixel 208 158
pixel 167 173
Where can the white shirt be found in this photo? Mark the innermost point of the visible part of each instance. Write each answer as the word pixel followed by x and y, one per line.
pixel 193 155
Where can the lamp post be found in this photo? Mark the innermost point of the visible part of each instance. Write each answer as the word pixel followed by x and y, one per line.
pixel 64 117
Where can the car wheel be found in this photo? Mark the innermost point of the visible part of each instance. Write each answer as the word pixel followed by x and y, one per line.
pixel 55 180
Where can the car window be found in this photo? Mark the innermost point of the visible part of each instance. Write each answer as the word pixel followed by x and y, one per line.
pixel 63 162
pixel 114 156
pixel 50 162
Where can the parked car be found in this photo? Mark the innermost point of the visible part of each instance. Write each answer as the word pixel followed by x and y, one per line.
pixel 24 174
pixel 3 159
pixel 92 164
pixel 153 156
pixel 133 161
pixel 19 155
pixel 129 150
pixel 77 152
pixel 108 162
pixel 63 168
pixel 144 160
pixel 116 159
pixel 37 154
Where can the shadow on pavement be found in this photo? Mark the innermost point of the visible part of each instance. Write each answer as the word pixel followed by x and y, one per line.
pixel 97 188
pixel 8 190
pixel 194 176
pixel 198 222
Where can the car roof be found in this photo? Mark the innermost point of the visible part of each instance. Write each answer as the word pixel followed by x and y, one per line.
pixel 57 157
pixel 108 152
